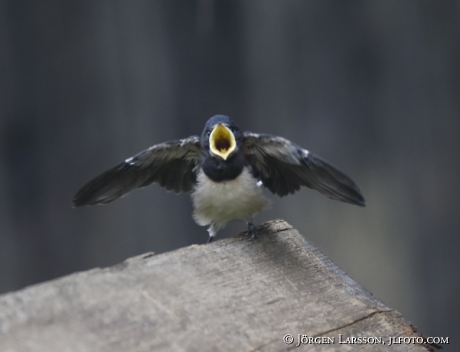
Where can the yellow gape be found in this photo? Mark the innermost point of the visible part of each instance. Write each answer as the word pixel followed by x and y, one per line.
pixel 222 142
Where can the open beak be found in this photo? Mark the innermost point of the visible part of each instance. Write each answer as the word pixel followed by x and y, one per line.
pixel 222 142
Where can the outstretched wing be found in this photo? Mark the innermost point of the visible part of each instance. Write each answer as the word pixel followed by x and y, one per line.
pixel 171 164
pixel 283 167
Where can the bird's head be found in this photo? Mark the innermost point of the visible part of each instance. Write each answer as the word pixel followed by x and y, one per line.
pixel 221 137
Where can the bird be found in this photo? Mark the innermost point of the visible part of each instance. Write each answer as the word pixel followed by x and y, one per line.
pixel 225 171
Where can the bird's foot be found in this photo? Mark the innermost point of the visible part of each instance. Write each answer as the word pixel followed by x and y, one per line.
pixel 212 232
pixel 251 233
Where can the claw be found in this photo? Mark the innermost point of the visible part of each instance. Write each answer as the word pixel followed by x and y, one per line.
pixel 251 233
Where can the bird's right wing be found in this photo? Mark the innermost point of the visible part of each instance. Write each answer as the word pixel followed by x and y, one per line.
pixel 172 164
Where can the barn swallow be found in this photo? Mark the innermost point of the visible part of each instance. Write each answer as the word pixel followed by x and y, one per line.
pixel 224 170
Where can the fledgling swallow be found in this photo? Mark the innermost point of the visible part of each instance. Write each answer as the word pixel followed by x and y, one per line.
pixel 223 170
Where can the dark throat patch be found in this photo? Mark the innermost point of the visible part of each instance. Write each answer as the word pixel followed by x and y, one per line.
pixel 219 170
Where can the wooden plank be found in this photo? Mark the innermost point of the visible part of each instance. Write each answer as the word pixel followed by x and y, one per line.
pixel 230 295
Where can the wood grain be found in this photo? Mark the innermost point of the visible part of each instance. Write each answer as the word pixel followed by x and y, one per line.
pixel 231 295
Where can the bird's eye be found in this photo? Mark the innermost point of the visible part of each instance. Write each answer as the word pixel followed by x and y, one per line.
pixel 208 133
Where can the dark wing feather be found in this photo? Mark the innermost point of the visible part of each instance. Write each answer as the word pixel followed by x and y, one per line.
pixel 171 164
pixel 284 167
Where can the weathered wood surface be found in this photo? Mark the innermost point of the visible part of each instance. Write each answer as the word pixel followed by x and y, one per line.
pixel 230 295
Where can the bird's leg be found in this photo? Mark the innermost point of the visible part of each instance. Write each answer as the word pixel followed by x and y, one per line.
pixel 251 233
pixel 212 232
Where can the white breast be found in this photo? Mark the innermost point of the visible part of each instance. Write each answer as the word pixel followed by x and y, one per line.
pixel 221 202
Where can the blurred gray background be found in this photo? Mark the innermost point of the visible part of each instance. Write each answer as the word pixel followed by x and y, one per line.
pixel 371 86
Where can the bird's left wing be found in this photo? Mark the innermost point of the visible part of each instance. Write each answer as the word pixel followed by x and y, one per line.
pixel 284 167
pixel 172 164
